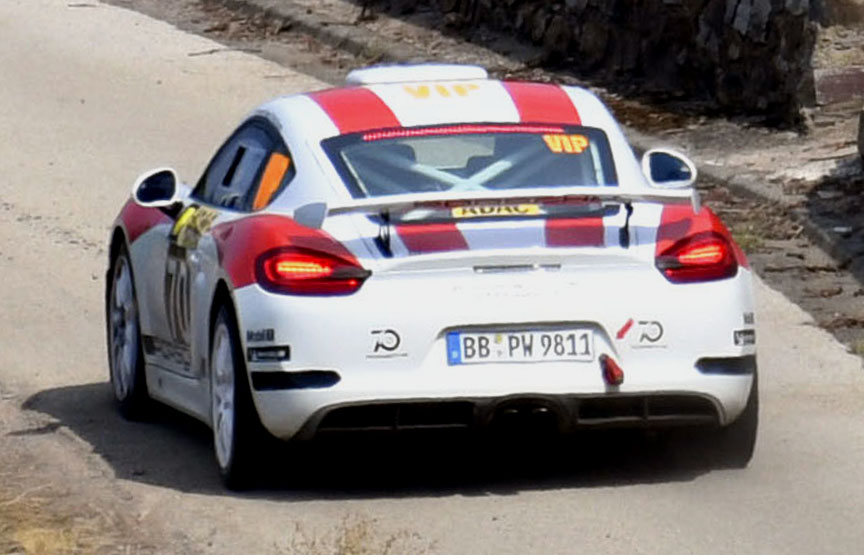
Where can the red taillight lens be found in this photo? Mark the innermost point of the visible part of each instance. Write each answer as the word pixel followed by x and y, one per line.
pixel 702 257
pixel 297 271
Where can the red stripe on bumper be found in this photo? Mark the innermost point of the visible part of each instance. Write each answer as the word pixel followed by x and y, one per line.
pixel 426 238
pixel 575 232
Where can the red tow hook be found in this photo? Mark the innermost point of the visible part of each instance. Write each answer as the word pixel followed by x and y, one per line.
pixel 612 373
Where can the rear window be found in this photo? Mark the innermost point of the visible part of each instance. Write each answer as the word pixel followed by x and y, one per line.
pixel 471 158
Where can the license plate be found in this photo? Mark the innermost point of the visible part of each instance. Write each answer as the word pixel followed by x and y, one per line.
pixel 520 346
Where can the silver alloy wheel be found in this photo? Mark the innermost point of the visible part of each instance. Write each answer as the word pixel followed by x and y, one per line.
pixel 124 330
pixel 222 395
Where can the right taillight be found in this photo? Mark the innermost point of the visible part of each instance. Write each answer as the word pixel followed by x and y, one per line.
pixel 299 271
pixel 702 257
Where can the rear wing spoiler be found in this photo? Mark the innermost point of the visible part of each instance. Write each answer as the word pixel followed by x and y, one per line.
pixel 312 214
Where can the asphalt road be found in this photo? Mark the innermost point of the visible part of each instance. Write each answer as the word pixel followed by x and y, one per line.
pixel 90 96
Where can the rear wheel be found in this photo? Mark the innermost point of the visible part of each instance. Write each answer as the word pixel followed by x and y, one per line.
pixel 732 446
pixel 237 431
pixel 125 355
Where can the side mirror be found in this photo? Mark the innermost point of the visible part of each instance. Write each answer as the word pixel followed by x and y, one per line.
pixel 158 189
pixel 668 169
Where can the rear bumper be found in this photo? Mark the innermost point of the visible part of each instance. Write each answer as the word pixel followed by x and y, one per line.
pixel 561 415
pixel 677 369
pixel 307 413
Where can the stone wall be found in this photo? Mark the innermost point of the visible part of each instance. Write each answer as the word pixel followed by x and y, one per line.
pixel 747 55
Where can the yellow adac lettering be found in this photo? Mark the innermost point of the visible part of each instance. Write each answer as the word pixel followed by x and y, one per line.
pixel 517 210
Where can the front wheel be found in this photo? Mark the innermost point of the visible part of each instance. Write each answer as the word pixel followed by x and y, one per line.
pixel 237 431
pixel 125 355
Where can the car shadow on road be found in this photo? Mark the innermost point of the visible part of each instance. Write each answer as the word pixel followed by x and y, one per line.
pixel 172 450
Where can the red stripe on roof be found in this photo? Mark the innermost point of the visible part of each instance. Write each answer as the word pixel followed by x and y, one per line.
pixel 426 238
pixel 679 221
pixel 542 103
pixel 355 109
pixel 575 232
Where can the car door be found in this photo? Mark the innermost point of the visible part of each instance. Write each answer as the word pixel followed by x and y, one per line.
pixel 246 173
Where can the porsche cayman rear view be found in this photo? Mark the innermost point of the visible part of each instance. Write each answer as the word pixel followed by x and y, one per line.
pixel 428 248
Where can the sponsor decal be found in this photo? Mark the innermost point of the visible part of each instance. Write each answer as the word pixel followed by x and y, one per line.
pixel 496 211
pixel 647 334
pixel 650 331
pixel 749 319
pixel 566 144
pixel 421 92
pixel 744 337
pixel 385 344
pixel 622 333
pixel 262 335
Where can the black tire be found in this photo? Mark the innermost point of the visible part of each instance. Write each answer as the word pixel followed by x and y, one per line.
pixel 732 446
pixel 127 371
pixel 237 448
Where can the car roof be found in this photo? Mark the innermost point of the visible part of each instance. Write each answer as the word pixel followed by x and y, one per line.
pixel 436 94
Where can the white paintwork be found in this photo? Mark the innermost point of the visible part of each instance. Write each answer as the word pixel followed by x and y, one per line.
pixel 402 73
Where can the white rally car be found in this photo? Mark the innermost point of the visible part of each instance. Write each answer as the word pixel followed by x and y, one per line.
pixel 428 248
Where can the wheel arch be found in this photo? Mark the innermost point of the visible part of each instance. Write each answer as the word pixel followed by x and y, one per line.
pixel 221 297
pixel 118 241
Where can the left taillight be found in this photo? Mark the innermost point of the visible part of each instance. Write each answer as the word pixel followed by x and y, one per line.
pixel 298 271
pixel 701 257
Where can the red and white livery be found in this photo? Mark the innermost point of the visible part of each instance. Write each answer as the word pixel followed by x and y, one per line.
pixel 430 248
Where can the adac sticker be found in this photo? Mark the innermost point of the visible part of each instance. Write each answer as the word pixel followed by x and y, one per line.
pixel 566 144
pixel 497 211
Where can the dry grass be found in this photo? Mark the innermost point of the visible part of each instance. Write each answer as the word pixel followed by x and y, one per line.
pixel 35 521
pixel 356 535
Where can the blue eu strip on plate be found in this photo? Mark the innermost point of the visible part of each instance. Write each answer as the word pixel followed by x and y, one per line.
pixel 454 349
